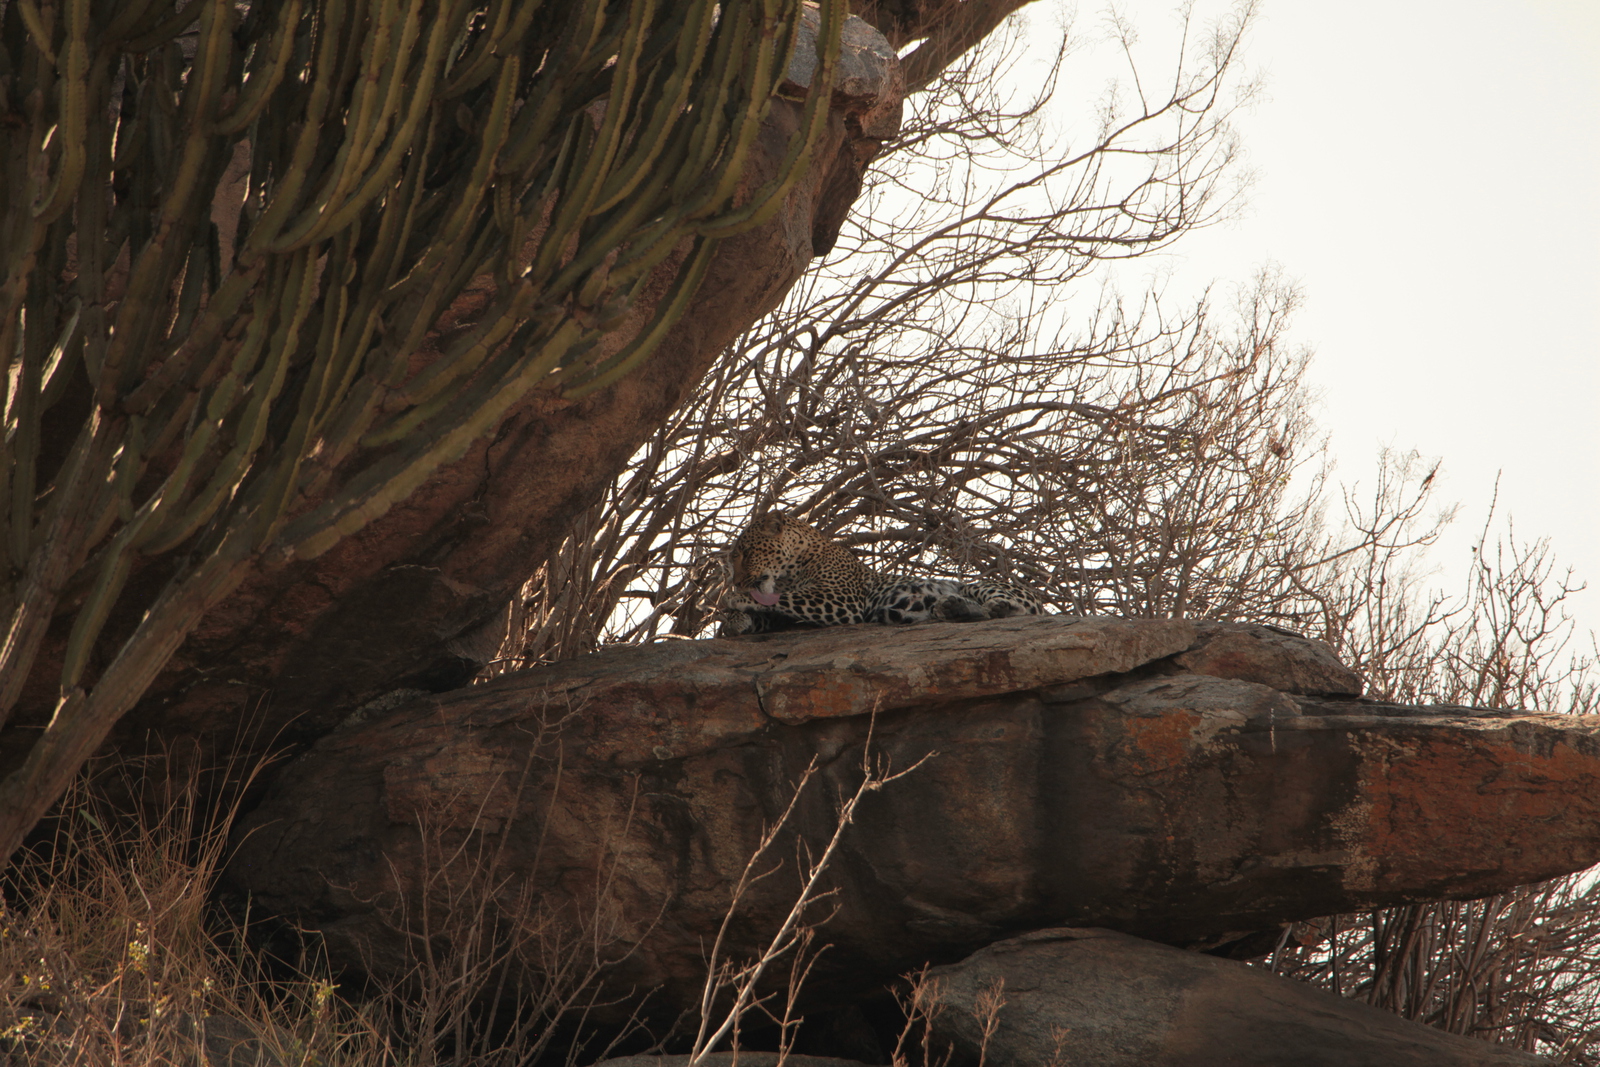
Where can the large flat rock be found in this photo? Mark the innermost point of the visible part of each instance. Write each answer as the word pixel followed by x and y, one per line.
pixel 1079 772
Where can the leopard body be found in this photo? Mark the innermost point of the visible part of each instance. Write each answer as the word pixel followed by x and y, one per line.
pixel 788 573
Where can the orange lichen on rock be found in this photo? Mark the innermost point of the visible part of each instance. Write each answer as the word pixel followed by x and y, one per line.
pixel 1419 789
pixel 1163 744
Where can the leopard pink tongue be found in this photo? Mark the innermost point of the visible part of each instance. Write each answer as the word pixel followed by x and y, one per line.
pixel 766 600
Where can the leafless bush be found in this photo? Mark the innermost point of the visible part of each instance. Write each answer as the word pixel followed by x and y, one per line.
pixel 1506 640
pixel 919 1001
pixel 941 397
pixel 1518 968
pixel 924 397
pixel 733 988
pixel 1523 967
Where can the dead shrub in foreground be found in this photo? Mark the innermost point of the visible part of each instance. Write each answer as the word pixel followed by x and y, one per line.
pixel 112 952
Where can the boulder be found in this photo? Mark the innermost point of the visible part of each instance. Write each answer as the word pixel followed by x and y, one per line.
pixel 1270 656
pixel 1072 772
pixel 1085 996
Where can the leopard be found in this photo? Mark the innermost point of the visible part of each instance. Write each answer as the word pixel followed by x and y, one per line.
pixel 787 574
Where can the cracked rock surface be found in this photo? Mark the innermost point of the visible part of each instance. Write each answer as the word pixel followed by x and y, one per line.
pixel 1194 784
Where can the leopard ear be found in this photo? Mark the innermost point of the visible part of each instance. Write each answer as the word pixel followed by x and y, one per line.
pixel 771 523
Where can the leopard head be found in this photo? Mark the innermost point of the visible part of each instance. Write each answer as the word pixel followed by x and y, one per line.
pixel 778 554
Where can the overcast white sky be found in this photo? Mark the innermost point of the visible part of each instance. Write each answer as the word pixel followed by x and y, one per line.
pixel 1430 174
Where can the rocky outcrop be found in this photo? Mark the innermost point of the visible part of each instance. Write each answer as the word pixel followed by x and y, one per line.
pixel 1102 998
pixel 1191 784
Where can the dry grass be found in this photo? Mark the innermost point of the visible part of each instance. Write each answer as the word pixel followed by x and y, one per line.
pixel 113 952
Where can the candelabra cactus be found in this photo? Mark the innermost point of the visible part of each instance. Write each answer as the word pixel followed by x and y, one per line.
pixel 230 233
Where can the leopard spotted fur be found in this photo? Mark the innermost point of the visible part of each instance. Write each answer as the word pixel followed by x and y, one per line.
pixel 788 573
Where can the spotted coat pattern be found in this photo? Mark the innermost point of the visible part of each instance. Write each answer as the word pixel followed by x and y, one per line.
pixel 789 574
